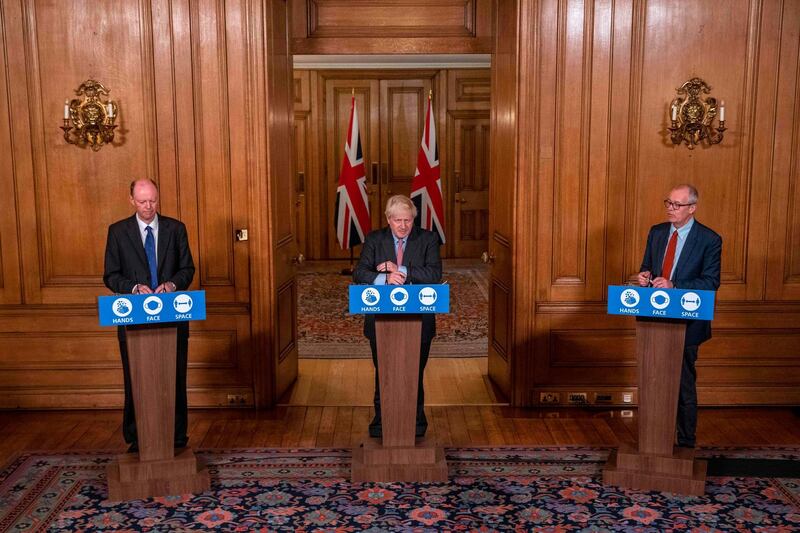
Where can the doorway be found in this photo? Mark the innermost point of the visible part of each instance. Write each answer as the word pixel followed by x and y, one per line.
pixel 334 365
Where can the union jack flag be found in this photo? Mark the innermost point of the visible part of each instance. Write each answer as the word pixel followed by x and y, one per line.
pixel 351 215
pixel 426 187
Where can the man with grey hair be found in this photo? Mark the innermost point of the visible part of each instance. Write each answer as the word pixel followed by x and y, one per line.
pixel 400 253
pixel 149 253
pixel 684 254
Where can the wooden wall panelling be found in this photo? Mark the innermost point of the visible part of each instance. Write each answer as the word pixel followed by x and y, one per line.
pixel 315 186
pixel 10 288
pixel 466 172
pixel 504 315
pixel 441 84
pixel 469 89
pixel 720 174
pixel 393 26
pixel 209 169
pixel 66 196
pixel 74 363
pixel 622 131
pixel 783 263
pixel 606 61
pixel 468 176
pixel 219 59
pixel 61 258
pixel 752 357
pixel 573 211
pixel 307 160
pixel 300 138
pixel 283 248
pixel 302 152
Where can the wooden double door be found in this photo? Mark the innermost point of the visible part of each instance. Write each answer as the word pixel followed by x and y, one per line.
pixel 391 114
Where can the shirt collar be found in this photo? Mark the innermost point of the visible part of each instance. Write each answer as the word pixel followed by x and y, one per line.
pixel 142 225
pixel 397 239
pixel 684 230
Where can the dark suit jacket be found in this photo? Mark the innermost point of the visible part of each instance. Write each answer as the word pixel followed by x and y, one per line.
pixel 420 257
pixel 126 262
pixel 698 267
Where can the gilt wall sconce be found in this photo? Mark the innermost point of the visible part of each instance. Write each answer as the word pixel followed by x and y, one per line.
pixel 693 118
pixel 91 118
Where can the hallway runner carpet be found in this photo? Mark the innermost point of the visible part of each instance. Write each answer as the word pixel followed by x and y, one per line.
pixel 553 489
pixel 326 331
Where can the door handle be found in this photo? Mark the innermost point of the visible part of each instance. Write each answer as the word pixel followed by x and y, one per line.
pixel 487 258
pixel 299 260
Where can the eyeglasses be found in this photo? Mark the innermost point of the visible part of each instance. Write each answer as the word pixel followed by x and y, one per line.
pixel 669 204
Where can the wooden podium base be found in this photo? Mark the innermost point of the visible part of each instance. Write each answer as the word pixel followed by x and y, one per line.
pixel 680 473
pixel 422 462
pixel 132 479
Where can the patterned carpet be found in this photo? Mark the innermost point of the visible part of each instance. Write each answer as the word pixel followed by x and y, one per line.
pixel 325 330
pixel 490 489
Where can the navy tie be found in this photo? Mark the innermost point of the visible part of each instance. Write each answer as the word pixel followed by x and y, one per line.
pixel 150 251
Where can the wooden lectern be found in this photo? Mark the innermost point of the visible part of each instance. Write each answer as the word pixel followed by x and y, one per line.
pixel 158 469
pixel 400 457
pixel 658 464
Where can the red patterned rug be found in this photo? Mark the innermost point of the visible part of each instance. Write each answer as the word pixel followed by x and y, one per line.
pixel 326 330
pixel 554 489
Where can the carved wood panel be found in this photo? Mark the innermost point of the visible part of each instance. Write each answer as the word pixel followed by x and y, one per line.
pixel 10 289
pixel 391 26
pixel 469 174
pixel 604 163
pixel 402 121
pixel 284 253
pixel 179 73
pixel 503 314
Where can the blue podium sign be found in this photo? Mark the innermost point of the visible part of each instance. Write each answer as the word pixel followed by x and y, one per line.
pixel 399 299
pixel 661 303
pixel 132 309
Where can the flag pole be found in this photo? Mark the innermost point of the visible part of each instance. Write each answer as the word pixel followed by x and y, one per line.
pixel 348 271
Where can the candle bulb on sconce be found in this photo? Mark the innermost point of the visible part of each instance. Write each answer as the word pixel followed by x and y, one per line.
pixel 695 121
pixel 91 119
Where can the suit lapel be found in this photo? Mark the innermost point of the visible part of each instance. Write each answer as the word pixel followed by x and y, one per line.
pixel 387 251
pixel 132 229
pixel 661 248
pixel 411 246
pixel 164 236
pixel 686 251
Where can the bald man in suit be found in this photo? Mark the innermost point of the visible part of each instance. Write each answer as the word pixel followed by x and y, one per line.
pixel 129 270
pixel 378 265
pixel 693 263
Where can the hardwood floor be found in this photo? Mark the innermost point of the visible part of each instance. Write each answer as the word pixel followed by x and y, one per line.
pixel 320 426
pixel 350 382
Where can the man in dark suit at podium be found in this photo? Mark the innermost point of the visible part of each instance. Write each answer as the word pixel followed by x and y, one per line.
pixel 149 253
pixel 400 253
pixel 684 254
